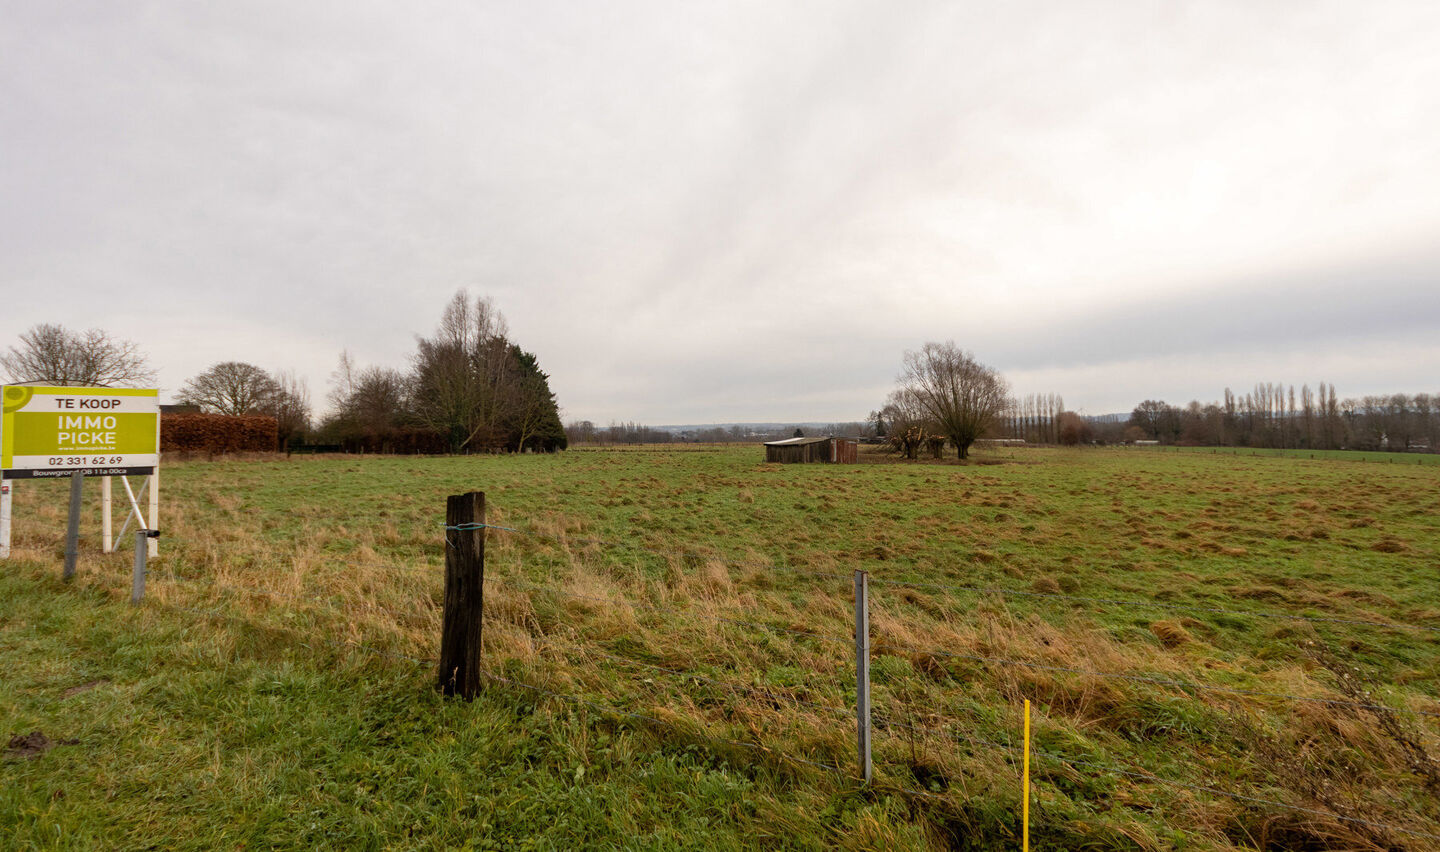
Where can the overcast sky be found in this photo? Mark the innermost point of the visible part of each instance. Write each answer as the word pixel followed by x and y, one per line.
pixel 738 211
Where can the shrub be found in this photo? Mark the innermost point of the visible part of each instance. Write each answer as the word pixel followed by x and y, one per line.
pixel 217 433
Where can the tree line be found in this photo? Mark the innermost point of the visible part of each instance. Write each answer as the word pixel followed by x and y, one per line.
pixel 1276 416
pixel 468 388
pixel 586 432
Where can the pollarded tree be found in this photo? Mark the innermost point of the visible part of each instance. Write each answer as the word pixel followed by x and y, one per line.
pixel 51 354
pixel 232 387
pixel 961 396
pixel 905 420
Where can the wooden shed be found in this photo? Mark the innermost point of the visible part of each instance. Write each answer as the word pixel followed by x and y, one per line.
pixel 792 450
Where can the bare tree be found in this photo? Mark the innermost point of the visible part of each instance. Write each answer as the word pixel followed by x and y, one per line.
pixel 290 406
pixel 342 381
pixel 1159 420
pixel 1073 429
pixel 51 354
pixel 461 374
pixel 959 393
pixel 231 387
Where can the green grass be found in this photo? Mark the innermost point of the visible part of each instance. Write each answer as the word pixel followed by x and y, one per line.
pixel 265 725
pixel 1361 456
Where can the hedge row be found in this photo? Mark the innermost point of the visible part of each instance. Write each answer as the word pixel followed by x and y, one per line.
pixel 217 433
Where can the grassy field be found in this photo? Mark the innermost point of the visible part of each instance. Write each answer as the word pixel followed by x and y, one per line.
pixel 1360 456
pixel 271 691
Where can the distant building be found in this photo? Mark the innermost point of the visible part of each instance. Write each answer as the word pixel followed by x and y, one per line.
pixel 802 450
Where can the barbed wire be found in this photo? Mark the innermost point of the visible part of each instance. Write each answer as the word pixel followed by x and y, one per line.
pixel 736 687
pixel 1158 681
pixel 649 551
pixel 1395 625
pixel 1145 776
pixel 1149 777
pixel 1168 682
pixel 974 587
pixel 616 711
pixel 887 724
pixel 517 584
pixel 304 599
pixel 1152 680
pixel 215 613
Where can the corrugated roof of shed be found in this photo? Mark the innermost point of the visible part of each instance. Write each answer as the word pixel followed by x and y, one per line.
pixel 794 442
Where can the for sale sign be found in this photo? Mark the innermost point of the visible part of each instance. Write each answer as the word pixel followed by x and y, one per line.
pixel 55 431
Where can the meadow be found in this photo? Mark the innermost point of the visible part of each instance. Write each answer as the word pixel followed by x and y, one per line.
pixel 1222 651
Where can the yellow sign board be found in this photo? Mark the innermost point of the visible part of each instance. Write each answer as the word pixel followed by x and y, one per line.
pixel 57 431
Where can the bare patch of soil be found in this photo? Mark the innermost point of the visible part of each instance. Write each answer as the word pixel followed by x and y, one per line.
pixel 84 687
pixel 32 745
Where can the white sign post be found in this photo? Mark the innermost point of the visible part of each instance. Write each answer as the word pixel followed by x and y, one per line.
pixel 5 519
pixel 56 432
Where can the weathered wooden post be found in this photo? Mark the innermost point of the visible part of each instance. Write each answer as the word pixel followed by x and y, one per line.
pixel 862 672
pixel 72 532
pixel 459 672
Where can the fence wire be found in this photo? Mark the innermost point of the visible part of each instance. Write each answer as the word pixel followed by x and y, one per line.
pixel 975 587
pixel 1145 776
pixel 651 719
pixel 518 584
pixel 1157 681
pixel 1186 608
pixel 1146 679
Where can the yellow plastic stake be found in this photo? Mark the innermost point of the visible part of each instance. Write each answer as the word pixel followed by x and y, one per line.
pixel 1025 805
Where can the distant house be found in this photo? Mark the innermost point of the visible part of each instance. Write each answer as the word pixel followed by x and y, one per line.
pixel 801 450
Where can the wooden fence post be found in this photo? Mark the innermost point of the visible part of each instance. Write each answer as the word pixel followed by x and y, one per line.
pixel 459 672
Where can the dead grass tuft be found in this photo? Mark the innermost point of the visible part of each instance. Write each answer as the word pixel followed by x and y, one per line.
pixel 1170 634
pixel 1260 593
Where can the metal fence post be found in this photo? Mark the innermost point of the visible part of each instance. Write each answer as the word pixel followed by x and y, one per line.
pixel 72 533
pixel 142 550
pixel 862 671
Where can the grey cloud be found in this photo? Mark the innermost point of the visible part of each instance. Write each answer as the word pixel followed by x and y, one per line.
pixel 682 207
